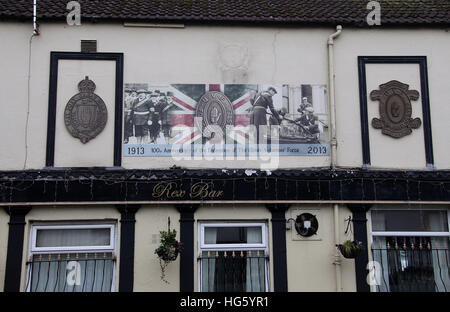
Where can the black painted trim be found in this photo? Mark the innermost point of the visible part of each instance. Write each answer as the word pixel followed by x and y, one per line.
pixel 127 244
pixel 426 115
pixel 187 239
pixel 95 184
pixel 279 251
pixel 13 269
pixel 51 128
pixel 363 111
pixel 360 234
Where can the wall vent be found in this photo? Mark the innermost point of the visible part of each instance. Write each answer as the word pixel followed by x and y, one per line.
pixel 89 46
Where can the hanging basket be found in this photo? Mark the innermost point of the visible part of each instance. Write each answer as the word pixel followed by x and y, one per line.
pixel 350 249
pixel 169 252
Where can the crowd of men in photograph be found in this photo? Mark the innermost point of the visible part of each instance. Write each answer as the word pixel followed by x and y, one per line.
pixel 147 115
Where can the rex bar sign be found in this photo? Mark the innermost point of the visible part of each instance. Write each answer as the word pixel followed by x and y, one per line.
pixel 199 190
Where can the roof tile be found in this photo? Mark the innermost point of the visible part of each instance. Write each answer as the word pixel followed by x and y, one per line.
pixel 353 12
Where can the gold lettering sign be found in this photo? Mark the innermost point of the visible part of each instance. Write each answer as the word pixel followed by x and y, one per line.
pixel 199 190
pixel 204 190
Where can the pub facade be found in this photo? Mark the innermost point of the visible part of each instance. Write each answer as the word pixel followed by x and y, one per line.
pixel 268 136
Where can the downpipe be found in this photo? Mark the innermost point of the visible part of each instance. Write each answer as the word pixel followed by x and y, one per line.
pixel 333 142
pixel 35 27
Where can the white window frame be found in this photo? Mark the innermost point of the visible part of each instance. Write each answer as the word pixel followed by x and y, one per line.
pixel 32 249
pixel 408 233
pixel 222 247
pixel 230 247
pixel 43 250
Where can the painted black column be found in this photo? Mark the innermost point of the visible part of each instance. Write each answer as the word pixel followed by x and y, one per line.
pixel 127 242
pixel 279 246
pixel 360 234
pixel 187 239
pixel 14 253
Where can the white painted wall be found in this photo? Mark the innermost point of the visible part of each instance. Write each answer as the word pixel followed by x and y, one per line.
pixel 70 151
pixel 310 260
pixel 388 152
pixel 192 55
pixel 150 220
pixel 432 43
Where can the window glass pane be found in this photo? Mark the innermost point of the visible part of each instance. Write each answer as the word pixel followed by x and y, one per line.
pixel 410 220
pixel 84 272
pixel 412 263
pixel 233 235
pixel 72 237
pixel 234 270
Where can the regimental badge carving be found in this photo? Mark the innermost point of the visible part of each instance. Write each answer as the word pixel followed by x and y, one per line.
pixel 395 109
pixel 215 109
pixel 85 115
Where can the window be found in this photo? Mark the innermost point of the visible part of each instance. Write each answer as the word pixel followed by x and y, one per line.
pixel 233 257
pixel 71 258
pixel 411 247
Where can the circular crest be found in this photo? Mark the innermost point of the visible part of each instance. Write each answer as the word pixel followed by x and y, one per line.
pixel 85 114
pixel 395 109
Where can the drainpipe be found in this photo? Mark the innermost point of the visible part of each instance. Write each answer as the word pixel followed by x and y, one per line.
pixel 333 141
pixel 35 30
pixel 331 97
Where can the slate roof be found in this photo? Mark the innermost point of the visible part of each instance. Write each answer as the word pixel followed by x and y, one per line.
pixel 305 12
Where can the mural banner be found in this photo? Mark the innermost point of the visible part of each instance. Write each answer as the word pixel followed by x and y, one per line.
pixel 225 119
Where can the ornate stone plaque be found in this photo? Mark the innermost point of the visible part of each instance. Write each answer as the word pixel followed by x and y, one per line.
pixel 215 109
pixel 85 115
pixel 395 109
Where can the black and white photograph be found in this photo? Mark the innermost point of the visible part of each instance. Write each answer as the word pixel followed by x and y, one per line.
pixel 153 112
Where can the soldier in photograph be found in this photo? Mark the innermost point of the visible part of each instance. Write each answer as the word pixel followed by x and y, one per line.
pixel 154 122
pixel 130 97
pixel 166 109
pixel 304 105
pixel 263 100
pixel 308 121
pixel 141 111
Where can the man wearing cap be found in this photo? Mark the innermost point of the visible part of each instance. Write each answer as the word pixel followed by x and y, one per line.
pixel 155 116
pixel 141 111
pixel 130 97
pixel 167 108
pixel 304 105
pixel 308 121
pixel 263 101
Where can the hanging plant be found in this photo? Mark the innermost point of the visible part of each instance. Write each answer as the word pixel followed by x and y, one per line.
pixel 168 250
pixel 350 249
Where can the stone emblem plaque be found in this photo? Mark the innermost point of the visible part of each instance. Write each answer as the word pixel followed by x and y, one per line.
pixel 395 109
pixel 215 109
pixel 85 114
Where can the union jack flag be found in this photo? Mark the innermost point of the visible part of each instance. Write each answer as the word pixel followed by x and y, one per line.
pixel 186 97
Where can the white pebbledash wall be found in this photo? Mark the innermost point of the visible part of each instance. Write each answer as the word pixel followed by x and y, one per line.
pixel 193 55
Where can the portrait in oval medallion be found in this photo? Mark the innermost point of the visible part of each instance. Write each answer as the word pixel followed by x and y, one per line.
pixel 215 109
pixel 394 108
pixel 85 114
